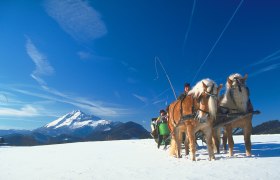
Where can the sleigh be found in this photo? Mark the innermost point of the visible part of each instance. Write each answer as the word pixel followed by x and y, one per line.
pixel 161 129
pixel 226 118
pixel 155 132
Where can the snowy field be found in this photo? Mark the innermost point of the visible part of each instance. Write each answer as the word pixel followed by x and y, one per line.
pixel 138 159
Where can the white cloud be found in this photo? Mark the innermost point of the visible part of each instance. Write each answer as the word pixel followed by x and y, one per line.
pixel 268 68
pixel 129 68
pixel 159 101
pixel 77 18
pixel 38 79
pixel 42 65
pixel 95 107
pixel 43 68
pixel 141 98
pixel 268 58
pixel 84 55
pixel 25 111
pixel 3 98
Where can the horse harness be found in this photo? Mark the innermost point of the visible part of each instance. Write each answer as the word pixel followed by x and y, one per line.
pixel 182 116
pixel 194 114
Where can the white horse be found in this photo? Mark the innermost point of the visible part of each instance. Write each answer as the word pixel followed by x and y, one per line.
pixel 236 100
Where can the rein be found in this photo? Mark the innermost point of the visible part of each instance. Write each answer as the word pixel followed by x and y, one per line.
pixel 182 116
pixel 207 112
pixel 210 94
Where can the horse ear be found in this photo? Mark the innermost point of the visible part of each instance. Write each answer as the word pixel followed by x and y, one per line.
pixel 204 86
pixel 245 77
pixel 229 81
pixel 220 87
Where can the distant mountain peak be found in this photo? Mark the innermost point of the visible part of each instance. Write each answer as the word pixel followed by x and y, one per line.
pixel 71 119
pixel 78 126
pixel 76 112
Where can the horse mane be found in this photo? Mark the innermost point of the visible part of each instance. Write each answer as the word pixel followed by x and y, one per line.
pixel 198 89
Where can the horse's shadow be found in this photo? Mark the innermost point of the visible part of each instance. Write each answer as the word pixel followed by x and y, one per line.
pixel 260 149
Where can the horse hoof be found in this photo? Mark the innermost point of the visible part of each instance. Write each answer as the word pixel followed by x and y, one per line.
pixel 248 154
pixel 192 158
pixel 178 156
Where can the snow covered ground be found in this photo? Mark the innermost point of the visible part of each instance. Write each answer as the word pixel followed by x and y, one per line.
pixel 138 159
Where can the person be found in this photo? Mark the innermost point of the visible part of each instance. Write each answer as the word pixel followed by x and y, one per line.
pixel 187 88
pixel 154 128
pixel 162 127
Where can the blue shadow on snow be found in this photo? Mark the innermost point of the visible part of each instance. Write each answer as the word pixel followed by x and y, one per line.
pixel 260 149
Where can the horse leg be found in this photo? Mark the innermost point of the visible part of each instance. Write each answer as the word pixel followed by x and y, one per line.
pixel 172 147
pixel 225 140
pixel 178 141
pixel 191 137
pixel 247 131
pixel 216 140
pixel 186 142
pixel 208 137
pixel 230 140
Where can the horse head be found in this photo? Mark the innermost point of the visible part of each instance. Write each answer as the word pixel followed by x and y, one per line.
pixel 205 94
pixel 236 81
pixel 238 91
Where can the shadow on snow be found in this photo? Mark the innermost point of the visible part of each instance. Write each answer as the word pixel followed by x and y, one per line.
pixel 260 149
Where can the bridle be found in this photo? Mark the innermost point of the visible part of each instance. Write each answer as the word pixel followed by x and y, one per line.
pixel 199 101
pixel 238 85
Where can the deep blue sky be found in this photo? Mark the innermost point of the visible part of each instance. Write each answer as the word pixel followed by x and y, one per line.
pixel 99 56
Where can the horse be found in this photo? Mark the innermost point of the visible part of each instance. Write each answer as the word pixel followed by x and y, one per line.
pixel 236 100
pixel 195 112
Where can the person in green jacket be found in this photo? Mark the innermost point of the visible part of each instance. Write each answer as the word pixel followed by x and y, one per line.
pixel 162 127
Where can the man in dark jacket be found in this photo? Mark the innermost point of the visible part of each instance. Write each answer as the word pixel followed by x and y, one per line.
pixel 187 88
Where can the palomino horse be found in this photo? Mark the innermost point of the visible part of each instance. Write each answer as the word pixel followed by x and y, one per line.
pixel 195 112
pixel 236 100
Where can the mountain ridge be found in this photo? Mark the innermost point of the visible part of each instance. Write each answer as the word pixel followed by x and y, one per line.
pixel 75 123
pixel 269 127
pixel 77 126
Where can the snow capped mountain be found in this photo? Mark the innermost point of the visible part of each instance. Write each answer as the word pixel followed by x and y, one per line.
pixel 76 127
pixel 76 119
pixel 77 123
